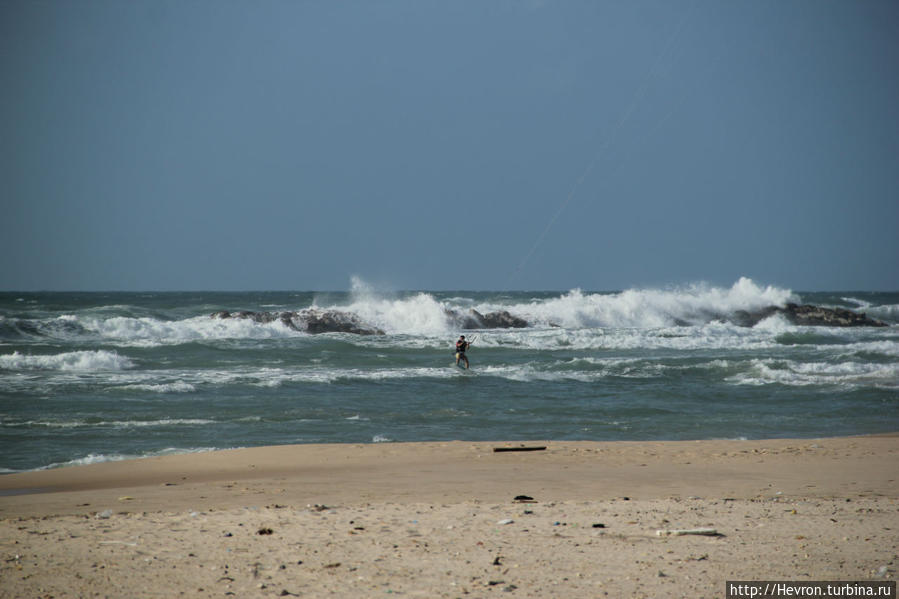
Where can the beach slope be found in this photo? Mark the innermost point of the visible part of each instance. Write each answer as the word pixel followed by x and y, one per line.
pixel 456 519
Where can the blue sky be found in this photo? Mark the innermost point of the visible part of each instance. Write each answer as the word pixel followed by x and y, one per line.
pixel 202 145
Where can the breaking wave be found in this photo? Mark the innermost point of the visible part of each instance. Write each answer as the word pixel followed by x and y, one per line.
pixel 649 308
pixel 85 361
pixel 110 424
pixel 427 314
pixel 800 374
pixel 693 305
pixel 118 457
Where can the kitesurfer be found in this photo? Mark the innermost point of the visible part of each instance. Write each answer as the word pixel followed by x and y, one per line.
pixel 461 346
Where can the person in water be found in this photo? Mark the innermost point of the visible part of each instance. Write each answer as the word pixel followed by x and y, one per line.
pixel 461 346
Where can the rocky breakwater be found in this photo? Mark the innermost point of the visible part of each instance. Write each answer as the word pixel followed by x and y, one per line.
pixel 808 315
pixel 314 321
pixel 309 320
pixel 492 320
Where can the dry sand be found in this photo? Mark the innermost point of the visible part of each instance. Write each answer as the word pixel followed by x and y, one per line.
pixel 441 520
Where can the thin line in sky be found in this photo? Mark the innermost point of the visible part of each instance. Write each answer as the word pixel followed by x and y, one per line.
pixel 638 97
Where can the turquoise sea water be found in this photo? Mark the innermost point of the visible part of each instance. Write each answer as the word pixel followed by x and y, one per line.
pixel 88 377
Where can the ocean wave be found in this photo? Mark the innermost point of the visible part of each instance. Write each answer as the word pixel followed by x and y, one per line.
pixel 584 370
pixel 82 361
pixel 419 314
pixel 65 326
pixel 99 458
pixel 176 387
pixel 651 308
pixel 691 305
pixel 859 304
pixel 278 377
pixel 132 331
pixel 423 315
pixel 119 424
pixel 151 332
pixel 888 313
pixel 593 370
pixel 710 336
pixel 802 374
pixel 881 349
pixel 714 335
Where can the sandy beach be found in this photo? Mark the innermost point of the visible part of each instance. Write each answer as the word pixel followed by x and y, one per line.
pixel 457 519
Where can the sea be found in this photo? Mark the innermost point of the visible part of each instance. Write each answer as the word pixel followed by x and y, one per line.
pixel 101 376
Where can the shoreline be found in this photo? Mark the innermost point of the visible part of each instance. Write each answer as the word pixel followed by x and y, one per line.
pixel 461 470
pixel 456 519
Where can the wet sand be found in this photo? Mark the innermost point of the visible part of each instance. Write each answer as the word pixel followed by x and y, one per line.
pixel 442 520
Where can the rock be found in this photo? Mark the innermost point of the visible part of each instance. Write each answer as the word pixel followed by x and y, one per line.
pixel 494 320
pixel 747 319
pixel 472 320
pixel 828 317
pixel 503 320
pixel 807 315
pixel 309 320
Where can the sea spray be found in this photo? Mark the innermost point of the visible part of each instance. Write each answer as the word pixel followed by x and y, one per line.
pixel 423 313
pixel 652 308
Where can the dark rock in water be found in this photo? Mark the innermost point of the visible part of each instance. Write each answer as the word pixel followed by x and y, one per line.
pixel 334 321
pixel 745 318
pixel 807 315
pixel 309 320
pixel 314 321
pixel 828 317
pixel 503 320
pixel 472 320
pixel 494 320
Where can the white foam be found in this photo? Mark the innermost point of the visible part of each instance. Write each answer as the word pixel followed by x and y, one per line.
pixel 775 324
pixel 176 387
pixel 527 373
pixel 273 377
pixel 652 308
pixel 887 312
pixel 418 314
pixel 713 335
pixel 111 423
pixel 151 332
pixel 95 458
pixel 802 374
pixel 92 458
pixel 69 361
pixel 861 304
pixel 698 304
pixel 886 348
pixel 591 370
pixel 422 315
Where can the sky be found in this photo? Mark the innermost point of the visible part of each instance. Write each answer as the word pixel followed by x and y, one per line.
pixel 418 144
